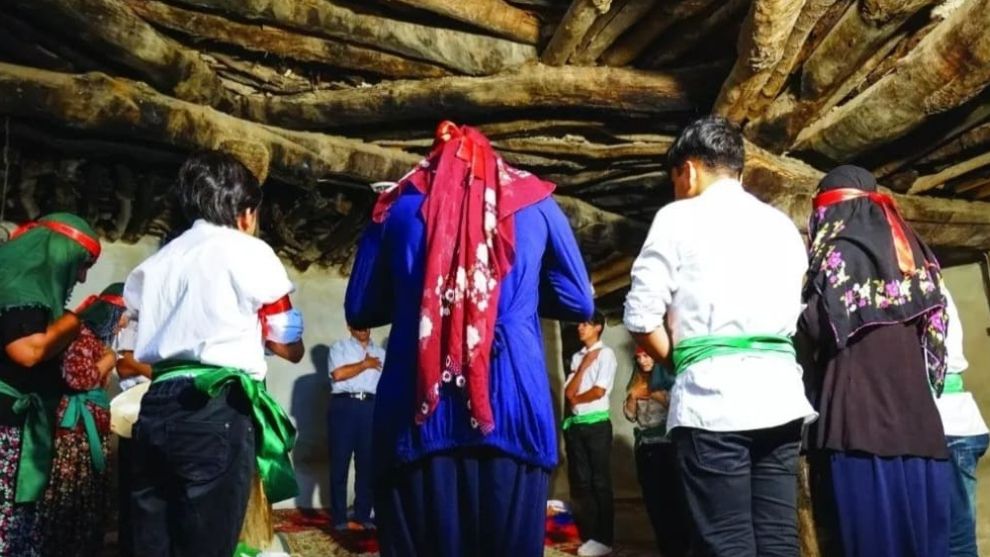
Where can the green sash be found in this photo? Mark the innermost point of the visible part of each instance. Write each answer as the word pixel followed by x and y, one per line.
pixel 953 384
pixel 76 409
pixel 585 419
pixel 693 350
pixel 35 462
pixel 275 432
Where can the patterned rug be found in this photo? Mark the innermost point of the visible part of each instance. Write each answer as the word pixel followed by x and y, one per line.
pixel 310 533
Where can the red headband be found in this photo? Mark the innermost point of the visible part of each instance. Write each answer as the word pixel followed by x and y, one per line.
pixel 88 243
pixel 113 299
pixel 902 248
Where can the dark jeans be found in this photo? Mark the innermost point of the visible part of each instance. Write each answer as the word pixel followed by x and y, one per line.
pixel 192 463
pixel 663 495
pixel 349 427
pixel 124 522
pixel 589 471
pixel 965 452
pixel 741 488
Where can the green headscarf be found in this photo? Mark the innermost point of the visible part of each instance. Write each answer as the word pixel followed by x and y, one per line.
pixel 103 313
pixel 40 267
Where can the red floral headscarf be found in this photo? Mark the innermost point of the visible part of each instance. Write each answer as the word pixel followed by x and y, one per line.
pixel 470 197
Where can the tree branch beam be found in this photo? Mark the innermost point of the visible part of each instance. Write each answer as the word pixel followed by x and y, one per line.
pixel 494 16
pixel 948 67
pixel 129 40
pixel 463 52
pixel 571 30
pixel 265 40
pixel 118 107
pixel 615 90
pixel 761 47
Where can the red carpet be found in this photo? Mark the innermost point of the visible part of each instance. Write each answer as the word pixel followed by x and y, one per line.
pixel 301 524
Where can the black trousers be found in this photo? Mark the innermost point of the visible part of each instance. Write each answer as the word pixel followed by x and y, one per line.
pixel 124 523
pixel 192 463
pixel 741 488
pixel 350 431
pixel 589 472
pixel 663 496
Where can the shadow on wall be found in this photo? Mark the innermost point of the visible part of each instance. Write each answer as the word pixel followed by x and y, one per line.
pixel 310 398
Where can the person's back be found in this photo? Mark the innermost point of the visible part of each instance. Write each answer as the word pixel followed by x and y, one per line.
pixel 872 340
pixel 462 259
pixel 206 286
pixel 208 304
pixel 722 272
pixel 740 271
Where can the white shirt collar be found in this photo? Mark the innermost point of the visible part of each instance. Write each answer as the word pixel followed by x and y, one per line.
pixel 723 185
pixel 594 346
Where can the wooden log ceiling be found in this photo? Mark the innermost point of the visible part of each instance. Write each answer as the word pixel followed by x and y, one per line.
pixel 101 99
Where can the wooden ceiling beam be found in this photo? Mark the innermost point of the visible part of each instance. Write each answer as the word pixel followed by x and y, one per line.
pixel 760 48
pixel 616 90
pixel 932 181
pixel 609 27
pixel 658 20
pixel 852 41
pixel 685 38
pixel 268 40
pixel 572 29
pixel 113 28
pixel 494 16
pixel 119 107
pixel 949 66
pixel 460 51
pixel 811 13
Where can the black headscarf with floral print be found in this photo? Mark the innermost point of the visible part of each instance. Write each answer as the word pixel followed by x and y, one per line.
pixel 861 278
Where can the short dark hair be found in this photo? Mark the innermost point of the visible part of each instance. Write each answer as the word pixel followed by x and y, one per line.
pixel 216 187
pixel 598 318
pixel 714 141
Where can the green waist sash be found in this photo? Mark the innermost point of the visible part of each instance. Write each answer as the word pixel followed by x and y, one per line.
pixel 586 419
pixel 275 432
pixel 953 384
pixel 76 409
pixel 35 462
pixel 693 350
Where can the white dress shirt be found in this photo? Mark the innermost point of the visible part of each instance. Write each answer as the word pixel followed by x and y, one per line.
pixel 601 373
pixel 198 298
pixel 960 414
pixel 126 340
pixel 724 263
pixel 350 351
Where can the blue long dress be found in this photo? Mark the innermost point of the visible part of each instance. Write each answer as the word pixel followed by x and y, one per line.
pixel 443 488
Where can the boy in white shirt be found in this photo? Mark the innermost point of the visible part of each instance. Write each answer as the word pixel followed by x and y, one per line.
pixel 588 434
pixel 725 271
pixel 208 305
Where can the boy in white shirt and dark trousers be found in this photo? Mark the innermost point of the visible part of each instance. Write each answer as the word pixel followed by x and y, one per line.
pixel 967 436
pixel 355 365
pixel 208 304
pixel 588 435
pixel 724 272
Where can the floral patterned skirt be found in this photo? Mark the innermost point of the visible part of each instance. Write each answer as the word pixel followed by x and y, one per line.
pixel 76 505
pixel 20 528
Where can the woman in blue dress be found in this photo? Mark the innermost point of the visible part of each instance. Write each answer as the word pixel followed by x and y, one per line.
pixel 462 259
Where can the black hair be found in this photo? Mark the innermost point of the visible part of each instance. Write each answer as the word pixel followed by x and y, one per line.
pixel 714 141
pixel 598 318
pixel 216 187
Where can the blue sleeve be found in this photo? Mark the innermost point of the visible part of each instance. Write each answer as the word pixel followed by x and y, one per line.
pixel 368 303
pixel 565 288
